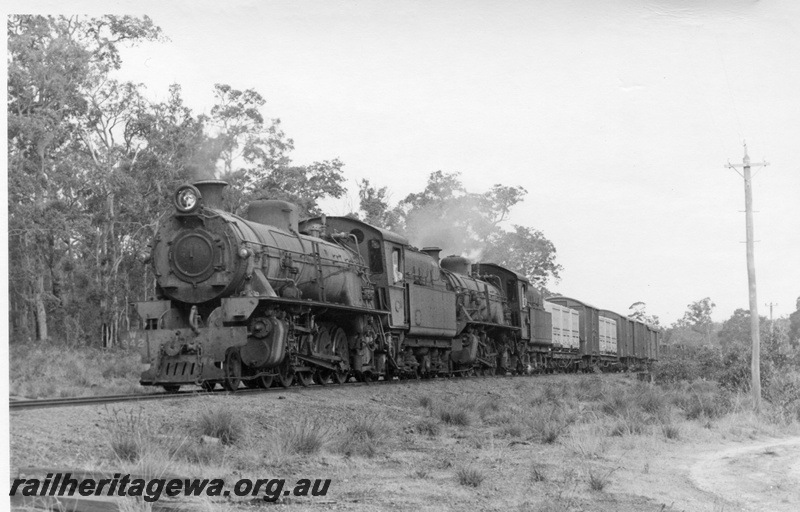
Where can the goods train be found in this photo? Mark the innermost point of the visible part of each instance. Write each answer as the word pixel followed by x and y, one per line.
pixel 263 299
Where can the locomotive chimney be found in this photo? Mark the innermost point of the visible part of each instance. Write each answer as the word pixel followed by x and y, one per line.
pixel 211 191
pixel 433 252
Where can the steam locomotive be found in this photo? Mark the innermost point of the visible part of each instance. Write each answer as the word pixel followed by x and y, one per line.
pixel 264 299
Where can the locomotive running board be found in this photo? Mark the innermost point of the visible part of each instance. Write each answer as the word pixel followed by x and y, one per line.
pixel 489 324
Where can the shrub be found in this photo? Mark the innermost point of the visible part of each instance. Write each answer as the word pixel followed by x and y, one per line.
pixel 672 369
pixel 702 400
pixel 784 392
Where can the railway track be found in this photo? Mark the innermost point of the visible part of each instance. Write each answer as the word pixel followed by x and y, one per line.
pixel 109 399
pixel 94 400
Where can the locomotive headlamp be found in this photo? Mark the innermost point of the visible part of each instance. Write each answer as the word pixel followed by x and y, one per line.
pixel 187 199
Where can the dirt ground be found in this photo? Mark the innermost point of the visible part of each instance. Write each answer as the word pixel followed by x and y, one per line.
pixel 725 465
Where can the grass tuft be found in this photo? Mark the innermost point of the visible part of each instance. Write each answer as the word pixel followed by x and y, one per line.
pixel 363 436
pixel 470 476
pixel 130 436
pixel 305 437
pixel 223 424
pixel 428 426
pixel 420 473
pixel 672 432
pixel 487 408
pixel 425 401
pixel 537 474
pixel 512 430
pixel 599 480
pixel 456 417
pixel 198 453
pixel 547 423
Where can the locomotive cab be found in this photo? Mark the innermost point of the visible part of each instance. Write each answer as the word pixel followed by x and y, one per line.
pixel 384 254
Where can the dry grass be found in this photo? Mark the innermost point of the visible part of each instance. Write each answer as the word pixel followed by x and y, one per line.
pixel 425 401
pixel 588 441
pixel 671 431
pixel 428 426
pixel 129 434
pixel 456 416
pixel 430 444
pixel 598 479
pixel 304 437
pixel 362 437
pixel 470 476
pixel 546 423
pixel 42 370
pixel 537 473
pixel 222 423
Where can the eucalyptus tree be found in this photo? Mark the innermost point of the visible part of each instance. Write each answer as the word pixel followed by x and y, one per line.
pixel 471 224
pixel 56 64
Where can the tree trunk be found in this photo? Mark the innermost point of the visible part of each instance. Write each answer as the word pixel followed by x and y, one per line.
pixel 41 312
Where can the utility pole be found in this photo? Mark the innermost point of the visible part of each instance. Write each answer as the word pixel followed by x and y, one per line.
pixel 770 311
pixel 771 323
pixel 751 277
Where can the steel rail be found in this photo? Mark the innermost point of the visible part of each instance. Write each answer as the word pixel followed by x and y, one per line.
pixel 108 399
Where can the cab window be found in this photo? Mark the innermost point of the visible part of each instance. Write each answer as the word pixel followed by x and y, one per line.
pixel 397 270
pixel 375 257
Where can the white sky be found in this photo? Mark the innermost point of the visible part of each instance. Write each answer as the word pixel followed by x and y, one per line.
pixel 617 117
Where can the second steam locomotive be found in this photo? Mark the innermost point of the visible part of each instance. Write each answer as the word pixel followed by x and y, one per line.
pixel 263 298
